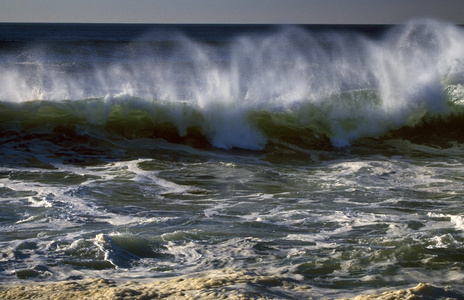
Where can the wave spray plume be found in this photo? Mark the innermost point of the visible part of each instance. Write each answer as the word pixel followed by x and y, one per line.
pixel 341 86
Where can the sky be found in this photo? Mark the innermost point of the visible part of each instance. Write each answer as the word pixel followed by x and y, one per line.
pixel 231 11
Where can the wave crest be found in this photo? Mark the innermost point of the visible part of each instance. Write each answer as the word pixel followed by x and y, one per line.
pixel 291 84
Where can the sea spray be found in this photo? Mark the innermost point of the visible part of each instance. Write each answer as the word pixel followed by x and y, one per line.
pixel 341 85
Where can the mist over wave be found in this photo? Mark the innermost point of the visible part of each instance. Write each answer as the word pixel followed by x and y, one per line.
pixel 340 85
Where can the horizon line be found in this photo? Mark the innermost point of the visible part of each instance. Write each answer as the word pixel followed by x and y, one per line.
pixel 208 23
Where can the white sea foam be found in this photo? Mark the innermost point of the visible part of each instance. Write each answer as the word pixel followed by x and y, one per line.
pixel 284 71
pixel 66 208
pixel 375 174
pixel 457 220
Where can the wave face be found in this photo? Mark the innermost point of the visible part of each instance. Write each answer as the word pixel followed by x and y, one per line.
pixel 242 90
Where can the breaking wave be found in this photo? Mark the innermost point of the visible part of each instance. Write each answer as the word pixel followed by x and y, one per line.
pixel 289 86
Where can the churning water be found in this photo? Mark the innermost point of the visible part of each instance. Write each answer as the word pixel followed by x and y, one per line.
pixel 281 162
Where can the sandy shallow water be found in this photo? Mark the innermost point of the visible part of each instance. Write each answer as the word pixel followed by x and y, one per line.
pixel 223 284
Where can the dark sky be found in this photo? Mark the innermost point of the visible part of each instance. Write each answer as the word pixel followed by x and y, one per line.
pixel 231 11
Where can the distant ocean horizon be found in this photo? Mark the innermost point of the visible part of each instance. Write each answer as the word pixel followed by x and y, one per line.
pixel 231 160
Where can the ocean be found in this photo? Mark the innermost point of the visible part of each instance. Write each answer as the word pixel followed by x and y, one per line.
pixel 144 161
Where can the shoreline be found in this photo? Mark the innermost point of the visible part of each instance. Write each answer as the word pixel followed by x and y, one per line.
pixel 220 284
